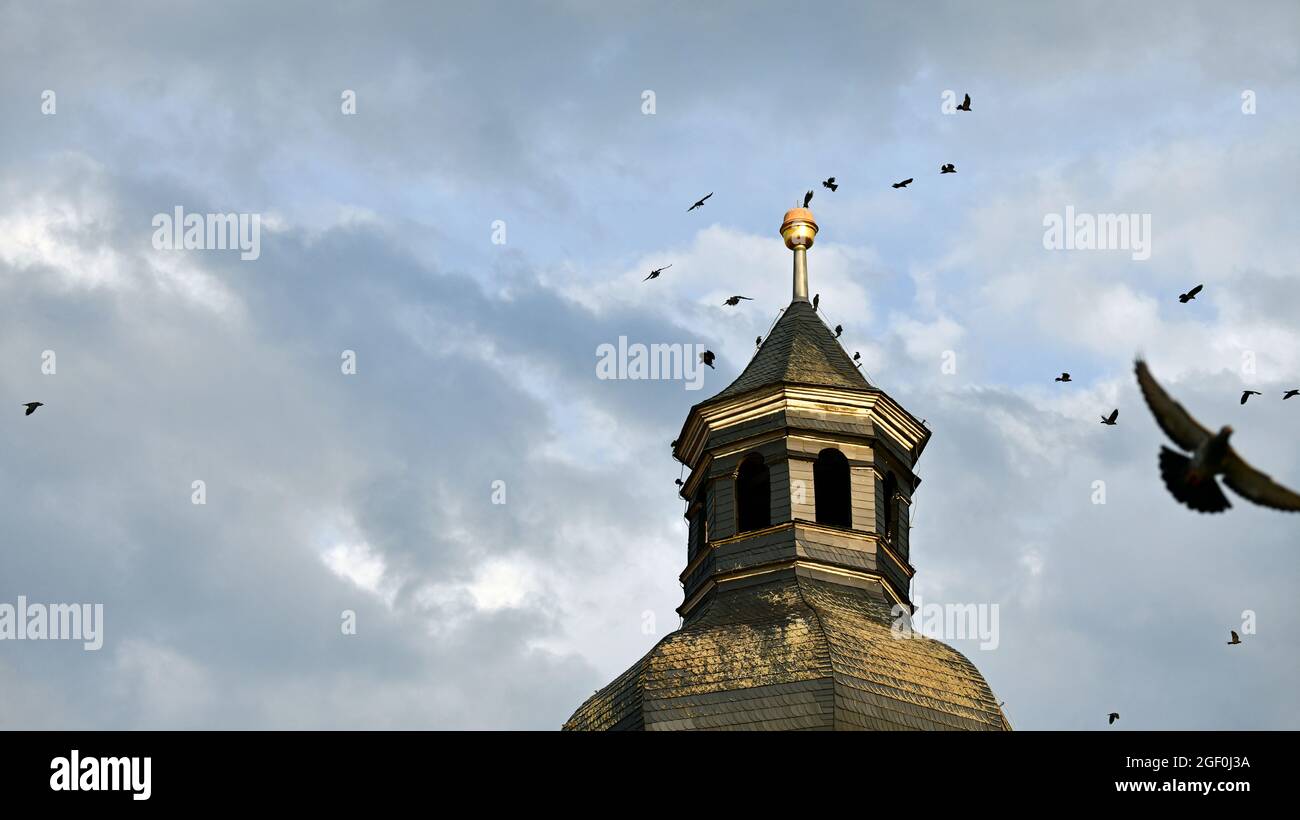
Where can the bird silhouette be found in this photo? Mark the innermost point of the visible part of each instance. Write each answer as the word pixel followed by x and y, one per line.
pixel 674 443
pixel 948 168
pixel 1288 394
pixel 1064 377
pixel 698 204
pixel 857 359
pixel 678 482
pixel 735 300
pixel 817 297
pixel 807 198
pixel 654 274
pixel 838 330
pixel 1111 418
pixel 1246 394
pixel 31 407
pixel 829 182
pixel 1189 295
pixel 1191 480
pixel 904 183
pixel 1235 639
pixel 1114 716
pixel 707 357
pixel 758 341
pixel 965 104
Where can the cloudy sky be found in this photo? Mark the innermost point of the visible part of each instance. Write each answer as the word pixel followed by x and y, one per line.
pixel 372 492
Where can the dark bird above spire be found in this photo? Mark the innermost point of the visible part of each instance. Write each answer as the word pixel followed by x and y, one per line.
pixel 699 203
pixel 830 183
pixel 807 198
pixel 838 330
pixel 1192 479
pixel 817 297
pixel 735 300
pixel 654 274
pixel 1189 295
pixel 707 357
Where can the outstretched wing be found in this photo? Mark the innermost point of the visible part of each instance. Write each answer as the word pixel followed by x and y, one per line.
pixel 1195 290
pixel 1251 484
pixel 1177 423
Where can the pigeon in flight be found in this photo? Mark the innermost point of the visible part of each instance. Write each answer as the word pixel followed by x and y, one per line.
pixel 699 204
pixel 840 329
pixel 1111 418
pixel 1235 639
pixel 817 297
pixel 1191 480
pixel 707 357
pixel 904 183
pixel 1288 394
pixel 948 168
pixel 654 274
pixel 31 407
pixel 735 300
pixel 1064 377
pixel 965 104
pixel 1114 716
pixel 807 198
pixel 1246 394
pixel 1189 295
pixel 830 183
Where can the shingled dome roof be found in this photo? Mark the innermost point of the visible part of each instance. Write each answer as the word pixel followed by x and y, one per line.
pixel 797 653
pixel 799 350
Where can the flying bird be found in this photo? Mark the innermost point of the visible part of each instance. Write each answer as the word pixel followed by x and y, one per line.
pixel 654 274
pixel 699 204
pixel 1111 418
pixel 1235 640
pixel 948 168
pixel 965 104
pixel 735 300
pixel 1246 394
pixel 807 198
pixel 829 182
pixel 1189 295
pixel 31 407
pixel 1064 377
pixel 817 297
pixel 1114 716
pixel 904 183
pixel 1288 394
pixel 1191 480
pixel 840 329
pixel 707 357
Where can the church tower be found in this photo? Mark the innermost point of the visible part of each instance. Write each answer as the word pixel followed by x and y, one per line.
pixel 801 478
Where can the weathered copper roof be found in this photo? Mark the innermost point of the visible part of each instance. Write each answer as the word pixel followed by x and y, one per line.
pixel 794 653
pixel 800 349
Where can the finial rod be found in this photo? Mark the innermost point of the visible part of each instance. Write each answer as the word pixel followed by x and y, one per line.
pixel 798 231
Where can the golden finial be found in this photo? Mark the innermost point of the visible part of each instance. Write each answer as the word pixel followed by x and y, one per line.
pixel 798 230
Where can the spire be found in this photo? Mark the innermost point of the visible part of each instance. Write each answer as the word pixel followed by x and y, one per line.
pixel 798 230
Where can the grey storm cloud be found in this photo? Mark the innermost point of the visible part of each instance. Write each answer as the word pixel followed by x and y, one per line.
pixel 476 362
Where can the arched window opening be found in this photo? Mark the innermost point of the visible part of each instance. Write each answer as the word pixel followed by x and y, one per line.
pixel 699 521
pixel 831 489
pixel 753 494
pixel 890 498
